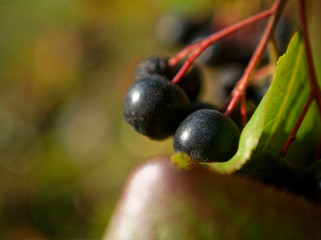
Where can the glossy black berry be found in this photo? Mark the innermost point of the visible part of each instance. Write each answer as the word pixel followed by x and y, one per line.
pixel 150 66
pixel 190 82
pixel 227 78
pixel 154 107
pixel 207 136
pixel 312 182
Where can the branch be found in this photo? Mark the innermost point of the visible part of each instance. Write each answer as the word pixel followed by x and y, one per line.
pixel 297 125
pixel 315 93
pixel 315 89
pixel 199 47
pixel 240 88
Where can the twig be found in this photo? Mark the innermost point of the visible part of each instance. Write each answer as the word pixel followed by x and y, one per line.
pixel 297 125
pixel 315 93
pixel 243 82
pixel 315 89
pixel 197 48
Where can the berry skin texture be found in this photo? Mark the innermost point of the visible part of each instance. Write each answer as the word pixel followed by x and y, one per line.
pixel 157 65
pixel 150 66
pixel 191 82
pixel 154 107
pixel 207 135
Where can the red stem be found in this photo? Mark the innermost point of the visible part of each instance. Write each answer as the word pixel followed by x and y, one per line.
pixel 182 54
pixel 202 45
pixel 262 73
pixel 315 93
pixel 295 130
pixel 243 109
pixel 243 82
pixel 315 89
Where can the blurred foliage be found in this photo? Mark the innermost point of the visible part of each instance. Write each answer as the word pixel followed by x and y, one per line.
pixel 64 149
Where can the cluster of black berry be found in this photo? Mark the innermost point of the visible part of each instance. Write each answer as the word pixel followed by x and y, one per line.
pixel 229 56
pixel 157 108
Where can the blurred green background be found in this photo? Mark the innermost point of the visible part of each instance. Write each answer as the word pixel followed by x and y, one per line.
pixel 65 151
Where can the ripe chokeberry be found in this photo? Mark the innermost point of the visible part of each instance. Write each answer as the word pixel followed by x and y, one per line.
pixel 150 66
pixel 227 78
pixel 190 82
pixel 207 135
pixel 154 107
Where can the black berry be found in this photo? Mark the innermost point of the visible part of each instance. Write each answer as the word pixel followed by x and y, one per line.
pixel 150 66
pixel 190 82
pixel 154 107
pixel 207 136
pixel 227 77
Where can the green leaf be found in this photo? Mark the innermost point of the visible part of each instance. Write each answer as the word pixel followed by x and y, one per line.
pixel 289 93
pixel 277 114
pixel 249 140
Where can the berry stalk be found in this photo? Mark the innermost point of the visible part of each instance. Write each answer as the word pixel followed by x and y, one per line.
pixel 198 48
pixel 240 88
pixel 315 93
pixel 243 109
pixel 273 50
pixel 296 127
pixel 315 89
pixel 262 73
